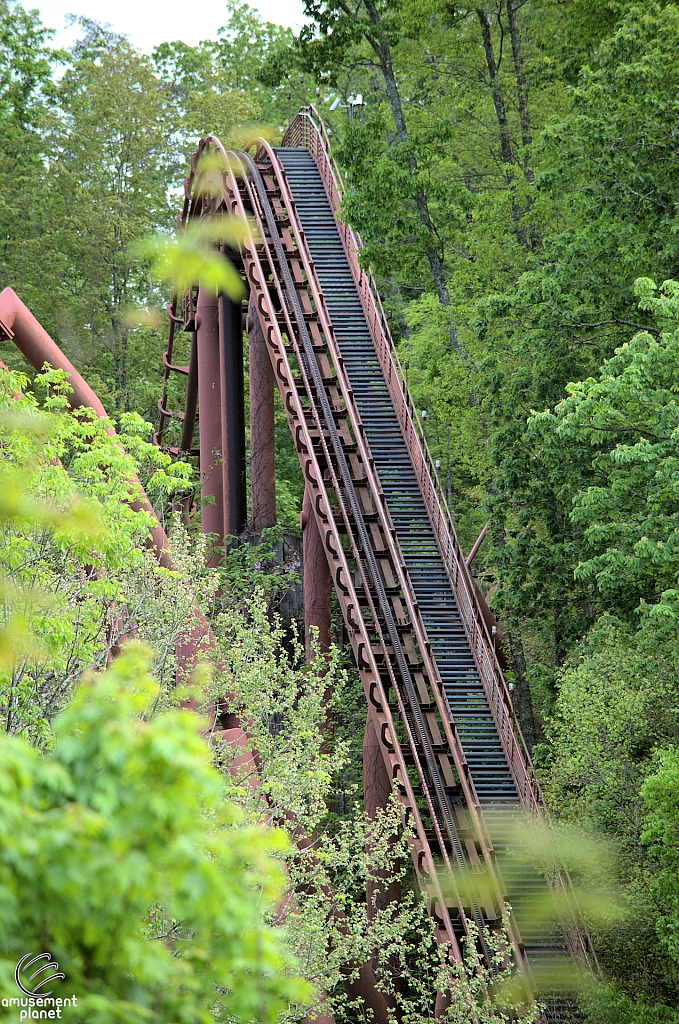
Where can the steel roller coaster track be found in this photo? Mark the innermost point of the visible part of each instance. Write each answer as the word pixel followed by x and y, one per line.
pixel 437 698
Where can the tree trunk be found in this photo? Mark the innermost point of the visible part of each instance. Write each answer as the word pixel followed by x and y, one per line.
pixel 524 109
pixel 523 700
pixel 123 368
pixel 521 83
pixel 116 369
pixel 380 45
pixel 493 74
pixel 501 116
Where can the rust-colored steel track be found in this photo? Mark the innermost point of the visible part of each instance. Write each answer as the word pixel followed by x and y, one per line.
pixel 436 694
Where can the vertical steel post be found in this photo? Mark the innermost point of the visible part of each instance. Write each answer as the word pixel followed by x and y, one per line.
pixel 380 895
pixel 376 792
pixel 210 411
pixel 316 579
pixel 189 422
pixel 262 436
pixel 191 404
pixel 233 414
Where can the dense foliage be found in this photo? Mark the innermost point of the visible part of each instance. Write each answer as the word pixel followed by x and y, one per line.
pixel 122 857
pixel 122 851
pixel 513 172
pixel 76 577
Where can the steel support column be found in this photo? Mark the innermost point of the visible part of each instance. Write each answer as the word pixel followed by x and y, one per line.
pixel 381 892
pixel 233 414
pixel 262 439
pixel 189 424
pixel 316 579
pixel 376 792
pixel 191 404
pixel 210 412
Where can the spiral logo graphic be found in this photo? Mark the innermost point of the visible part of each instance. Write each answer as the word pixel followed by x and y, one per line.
pixel 25 963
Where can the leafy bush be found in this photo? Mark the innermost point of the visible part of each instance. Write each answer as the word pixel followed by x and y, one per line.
pixel 120 855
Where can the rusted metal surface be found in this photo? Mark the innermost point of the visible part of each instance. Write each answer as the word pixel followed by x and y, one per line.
pixel 166 415
pixel 308 130
pixel 214 400
pixel 18 324
pixel 414 689
pixel 211 434
pixel 232 412
pixel 376 795
pixel 477 544
pixel 423 755
pixel 493 629
pixel 262 427
pixel 382 889
pixel 316 462
pixel 191 401
pixel 316 581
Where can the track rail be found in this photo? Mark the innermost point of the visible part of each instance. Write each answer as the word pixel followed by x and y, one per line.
pixel 320 422
pixel 422 733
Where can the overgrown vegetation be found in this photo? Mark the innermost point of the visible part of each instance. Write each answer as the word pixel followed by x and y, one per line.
pixel 172 878
pixel 513 173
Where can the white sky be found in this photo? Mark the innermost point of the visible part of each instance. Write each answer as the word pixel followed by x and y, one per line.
pixel 150 22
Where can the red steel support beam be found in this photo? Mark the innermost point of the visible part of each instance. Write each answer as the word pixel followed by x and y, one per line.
pixel 477 544
pixel 316 579
pixel 210 411
pixel 262 436
pixel 191 405
pixel 233 414
pixel 492 625
pixel 377 788
pixel 18 324
pixel 380 892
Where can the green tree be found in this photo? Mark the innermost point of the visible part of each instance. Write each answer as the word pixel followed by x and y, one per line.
pixel 604 166
pixel 217 84
pixel 119 850
pixel 660 835
pixel 591 489
pixel 76 576
pixel 120 854
pixel 27 64
pixel 364 36
pixel 110 164
pixel 607 456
